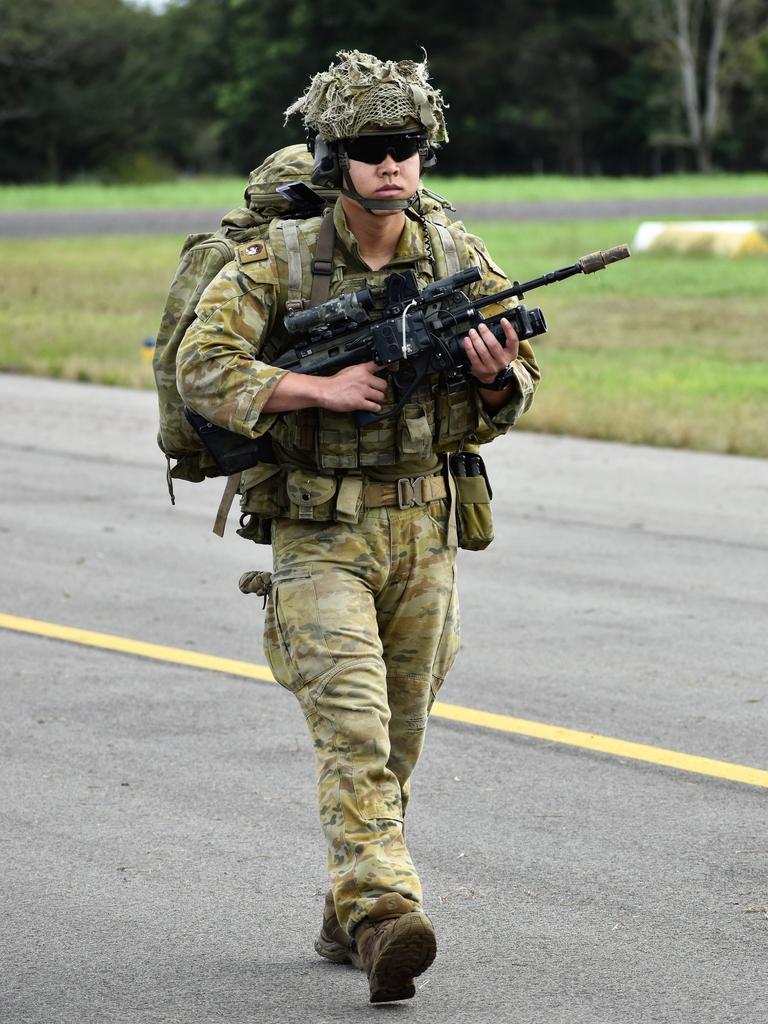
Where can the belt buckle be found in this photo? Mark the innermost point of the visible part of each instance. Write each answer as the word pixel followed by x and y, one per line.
pixel 410 492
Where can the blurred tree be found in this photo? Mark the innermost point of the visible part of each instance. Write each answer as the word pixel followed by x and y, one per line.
pixel 114 88
pixel 62 101
pixel 521 82
pixel 745 70
pixel 690 39
pixel 175 80
pixel 274 50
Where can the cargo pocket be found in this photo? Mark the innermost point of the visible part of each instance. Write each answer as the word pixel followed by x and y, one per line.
pixel 448 647
pixel 294 639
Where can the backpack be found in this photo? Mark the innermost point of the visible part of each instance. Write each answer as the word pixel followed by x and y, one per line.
pixel 203 255
pixel 201 258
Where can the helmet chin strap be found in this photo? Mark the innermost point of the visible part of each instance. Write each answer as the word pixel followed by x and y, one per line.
pixel 368 204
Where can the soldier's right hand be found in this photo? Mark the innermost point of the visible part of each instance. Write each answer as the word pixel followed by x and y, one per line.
pixel 354 388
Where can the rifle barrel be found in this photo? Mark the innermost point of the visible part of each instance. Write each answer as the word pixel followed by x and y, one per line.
pixel 588 264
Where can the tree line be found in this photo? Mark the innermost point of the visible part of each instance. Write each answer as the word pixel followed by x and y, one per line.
pixel 122 91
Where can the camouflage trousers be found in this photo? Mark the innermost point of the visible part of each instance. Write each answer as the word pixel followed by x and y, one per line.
pixel 362 625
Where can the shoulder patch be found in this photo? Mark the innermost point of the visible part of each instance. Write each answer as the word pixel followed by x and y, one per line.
pixel 252 252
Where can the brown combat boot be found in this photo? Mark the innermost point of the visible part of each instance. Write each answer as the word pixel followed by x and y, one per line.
pixel 333 942
pixel 395 944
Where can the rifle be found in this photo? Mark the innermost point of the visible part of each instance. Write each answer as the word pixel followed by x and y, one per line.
pixel 413 334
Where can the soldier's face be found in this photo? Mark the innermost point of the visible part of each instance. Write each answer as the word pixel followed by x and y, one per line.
pixel 389 179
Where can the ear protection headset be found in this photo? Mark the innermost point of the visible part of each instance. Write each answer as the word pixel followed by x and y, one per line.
pixel 326 172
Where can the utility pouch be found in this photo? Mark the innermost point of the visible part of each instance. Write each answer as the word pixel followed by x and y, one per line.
pixel 457 417
pixel 415 430
pixel 349 500
pixel 262 498
pixel 255 528
pixel 310 496
pixel 474 519
pixel 260 491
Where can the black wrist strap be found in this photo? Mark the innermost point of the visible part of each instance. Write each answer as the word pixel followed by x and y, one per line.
pixel 504 379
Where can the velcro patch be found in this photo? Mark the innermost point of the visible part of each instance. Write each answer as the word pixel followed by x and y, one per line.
pixel 486 257
pixel 252 252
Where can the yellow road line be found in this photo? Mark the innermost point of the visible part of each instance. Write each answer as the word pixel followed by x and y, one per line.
pixel 605 744
pixel 107 642
pixel 452 712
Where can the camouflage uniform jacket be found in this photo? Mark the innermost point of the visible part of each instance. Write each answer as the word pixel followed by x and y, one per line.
pixel 223 361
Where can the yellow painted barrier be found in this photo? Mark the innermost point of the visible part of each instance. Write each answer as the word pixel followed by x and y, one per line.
pixel 718 237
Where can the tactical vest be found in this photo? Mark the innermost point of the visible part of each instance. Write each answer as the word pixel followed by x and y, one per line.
pixel 436 420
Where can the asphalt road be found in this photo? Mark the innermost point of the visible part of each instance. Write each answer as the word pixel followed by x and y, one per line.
pixel 65 223
pixel 160 855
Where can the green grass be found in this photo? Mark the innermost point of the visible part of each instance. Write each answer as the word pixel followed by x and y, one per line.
pixel 528 249
pixel 667 350
pixel 664 350
pixel 541 188
pixel 203 193
pixel 225 193
pixel 80 309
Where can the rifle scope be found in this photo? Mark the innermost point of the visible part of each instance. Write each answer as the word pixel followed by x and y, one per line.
pixel 352 306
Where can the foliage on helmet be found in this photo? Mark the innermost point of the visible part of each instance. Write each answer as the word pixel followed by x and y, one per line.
pixel 360 91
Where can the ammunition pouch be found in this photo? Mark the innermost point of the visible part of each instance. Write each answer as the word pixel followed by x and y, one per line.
pixel 269 491
pixel 310 495
pixel 474 519
pixel 430 423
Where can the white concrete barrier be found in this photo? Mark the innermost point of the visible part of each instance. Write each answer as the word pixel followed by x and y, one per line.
pixel 719 237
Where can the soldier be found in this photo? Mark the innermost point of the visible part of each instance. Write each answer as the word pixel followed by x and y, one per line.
pixel 362 621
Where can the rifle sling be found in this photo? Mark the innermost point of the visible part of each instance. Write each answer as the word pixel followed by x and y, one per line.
pixel 322 264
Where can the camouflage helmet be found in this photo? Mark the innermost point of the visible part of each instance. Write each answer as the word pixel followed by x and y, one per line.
pixel 360 91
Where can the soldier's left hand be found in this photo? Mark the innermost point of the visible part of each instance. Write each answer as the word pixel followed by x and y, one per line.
pixel 487 357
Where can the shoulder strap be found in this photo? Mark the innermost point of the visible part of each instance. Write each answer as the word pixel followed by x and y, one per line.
pixel 322 271
pixel 322 264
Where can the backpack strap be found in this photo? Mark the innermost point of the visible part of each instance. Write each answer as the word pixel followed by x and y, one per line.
pixel 322 264
pixel 290 231
pixel 322 271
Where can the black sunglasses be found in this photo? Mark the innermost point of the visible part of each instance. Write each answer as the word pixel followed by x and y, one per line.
pixel 374 149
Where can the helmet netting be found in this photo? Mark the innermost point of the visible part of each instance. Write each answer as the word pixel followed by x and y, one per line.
pixel 361 91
